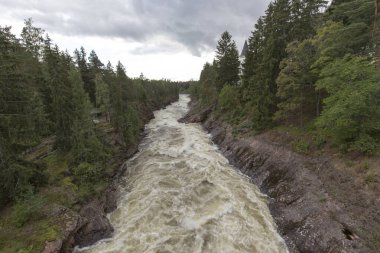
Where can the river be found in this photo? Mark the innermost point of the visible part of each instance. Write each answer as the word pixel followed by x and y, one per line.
pixel 180 194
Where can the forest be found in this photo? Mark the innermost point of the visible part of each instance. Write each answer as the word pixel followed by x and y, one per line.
pixel 62 118
pixel 67 121
pixel 310 67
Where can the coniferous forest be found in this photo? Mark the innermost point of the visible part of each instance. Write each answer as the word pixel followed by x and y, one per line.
pixel 308 79
pixel 62 118
pixel 309 66
pixel 307 85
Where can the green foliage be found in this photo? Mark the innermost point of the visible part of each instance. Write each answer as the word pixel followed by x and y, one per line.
pixel 370 179
pixel 85 145
pixel 351 113
pixel 319 141
pixel 208 94
pixel 19 179
pixel 87 75
pixel 227 61
pixel 266 50
pixel 133 127
pixel 88 177
pixel 43 93
pixel 102 94
pixel 228 98
pixel 28 209
pixel 301 146
pixel 295 82
pixel 46 105
pixel 87 173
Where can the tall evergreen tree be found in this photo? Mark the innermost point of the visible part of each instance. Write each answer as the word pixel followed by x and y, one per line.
pixel 266 50
pixel 19 119
pixel 87 77
pixel 253 59
pixel 296 90
pixel 208 83
pixel 57 69
pixel 227 61
pixel 85 144
pixel 32 38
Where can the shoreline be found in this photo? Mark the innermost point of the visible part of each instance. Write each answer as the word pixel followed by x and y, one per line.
pixel 91 223
pixel 311 215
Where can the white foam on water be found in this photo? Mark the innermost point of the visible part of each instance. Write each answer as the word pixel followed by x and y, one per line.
pixel 182 195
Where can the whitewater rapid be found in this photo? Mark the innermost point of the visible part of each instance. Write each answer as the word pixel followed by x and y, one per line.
pixel 180 194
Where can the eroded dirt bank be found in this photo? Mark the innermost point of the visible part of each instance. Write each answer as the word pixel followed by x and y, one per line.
pixel 317 208
pixel 90 224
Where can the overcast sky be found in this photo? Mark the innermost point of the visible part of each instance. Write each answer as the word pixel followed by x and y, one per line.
pixel 160 38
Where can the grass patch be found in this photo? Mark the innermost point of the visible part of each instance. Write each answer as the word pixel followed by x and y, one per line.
pixel 301 146
pixel 370 179
pixel 24 211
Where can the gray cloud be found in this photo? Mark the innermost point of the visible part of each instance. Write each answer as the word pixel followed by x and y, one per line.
pixel 196 24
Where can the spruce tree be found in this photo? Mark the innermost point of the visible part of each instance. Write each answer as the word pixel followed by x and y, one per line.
pixel 57 70
pixel 208 84
pixel 296 89
pixel 87 77
pixel 85 144
pixel 32 38
pixel 227 61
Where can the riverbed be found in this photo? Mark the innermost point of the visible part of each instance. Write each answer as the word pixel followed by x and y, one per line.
pixel 180 194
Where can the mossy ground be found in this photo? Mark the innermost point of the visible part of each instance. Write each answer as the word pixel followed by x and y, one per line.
pixel 30 237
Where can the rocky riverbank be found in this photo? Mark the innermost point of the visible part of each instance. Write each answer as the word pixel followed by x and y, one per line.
pixel 317 207
pixel 90 224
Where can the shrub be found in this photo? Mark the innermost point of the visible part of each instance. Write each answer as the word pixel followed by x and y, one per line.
pixel 87 173
pixel 23 211
pixel 228 98
pixel 365 144
pixel 301 146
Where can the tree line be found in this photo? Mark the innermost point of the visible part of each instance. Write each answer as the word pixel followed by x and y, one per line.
pixel 307 65
pixel 46 92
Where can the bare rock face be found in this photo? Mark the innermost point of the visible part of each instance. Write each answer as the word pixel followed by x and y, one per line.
pixel 53 247
pixel 311 207
pixel 70 221
pixel 96 225
pixel 195 117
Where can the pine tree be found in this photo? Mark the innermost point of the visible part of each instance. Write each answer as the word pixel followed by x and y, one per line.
pixel 227 61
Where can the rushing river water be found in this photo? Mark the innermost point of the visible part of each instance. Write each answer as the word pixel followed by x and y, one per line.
pixel 182 196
